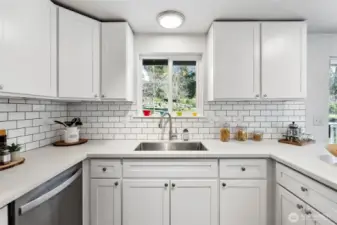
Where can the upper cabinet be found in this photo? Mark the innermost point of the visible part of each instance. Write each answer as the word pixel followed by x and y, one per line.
pixel 283 54
pixel 79 56
pixel 254 60
pixel 234 63
pixel 117 62
pixel 28 48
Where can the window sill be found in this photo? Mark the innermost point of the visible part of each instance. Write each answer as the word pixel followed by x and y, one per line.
pixel 173 116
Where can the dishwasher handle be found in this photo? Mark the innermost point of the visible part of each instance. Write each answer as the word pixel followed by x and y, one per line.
pixel 45 197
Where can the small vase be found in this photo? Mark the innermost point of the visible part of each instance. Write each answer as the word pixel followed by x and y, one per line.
pixel 15 156
pixel 179 113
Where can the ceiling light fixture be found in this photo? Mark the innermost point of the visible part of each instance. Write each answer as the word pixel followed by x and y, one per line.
pixel 170 19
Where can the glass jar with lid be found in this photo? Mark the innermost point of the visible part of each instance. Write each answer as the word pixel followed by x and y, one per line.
pixel 258 135
pixel 241 133
pixel 225 133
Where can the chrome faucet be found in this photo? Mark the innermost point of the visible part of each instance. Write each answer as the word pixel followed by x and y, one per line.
pixel 160 125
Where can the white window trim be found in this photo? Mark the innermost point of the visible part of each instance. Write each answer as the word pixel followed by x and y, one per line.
pixel 171 58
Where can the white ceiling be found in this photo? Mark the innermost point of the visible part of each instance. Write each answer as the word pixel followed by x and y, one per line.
pixel 141 14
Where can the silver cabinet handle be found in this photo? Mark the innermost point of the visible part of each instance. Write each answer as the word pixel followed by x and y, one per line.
pixel 257 95
pixel 1 86
pixel 308 212
pixel 95 95
pixel 45 197
pixel 299 206
pixel 304 189
pixel 103 96
pixel 265 95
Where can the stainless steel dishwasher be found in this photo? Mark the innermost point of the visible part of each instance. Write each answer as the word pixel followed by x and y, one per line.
pixel 56 202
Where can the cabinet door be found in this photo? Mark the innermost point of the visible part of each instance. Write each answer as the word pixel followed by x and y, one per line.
pixel 28 47
pixel 4 216
pixel 243 202
pixel 194 202
pixel 283 60
pixel 105 202
pixel 146 202
pixel 289 208
pixel 236 60
pixel 78 55
pixel 314 217
pixel 117 61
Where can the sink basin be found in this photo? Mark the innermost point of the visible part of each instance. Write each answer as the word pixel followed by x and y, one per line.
pixel 171 146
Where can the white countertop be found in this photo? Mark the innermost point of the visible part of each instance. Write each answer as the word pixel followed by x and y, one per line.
pixel 45 163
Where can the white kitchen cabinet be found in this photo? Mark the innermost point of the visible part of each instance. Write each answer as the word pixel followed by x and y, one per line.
pixel 4 216
pixel 146 202
pixel 283 55
pixel 243 202
pixel 105 202
pixel 79 56
pixel 256 60
pixel 194 202
pixel 118 82
pixel 28 43
pixel 234 60
pixel 289 208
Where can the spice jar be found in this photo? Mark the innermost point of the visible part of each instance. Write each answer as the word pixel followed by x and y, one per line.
pixel 241 133
pixel 3 139
pixel 258 136
pixel 225 133
pixel 5 157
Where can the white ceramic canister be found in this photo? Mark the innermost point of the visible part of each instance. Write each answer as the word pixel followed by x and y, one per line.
pixel 71 135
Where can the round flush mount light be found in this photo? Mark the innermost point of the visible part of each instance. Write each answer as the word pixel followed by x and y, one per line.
pixel 170 19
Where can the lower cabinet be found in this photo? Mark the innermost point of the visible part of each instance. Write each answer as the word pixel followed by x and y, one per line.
pixel 243 202
pixel 146 202
pixel 194 202
pixel 105 202
pixel 174 202
pixel 291 210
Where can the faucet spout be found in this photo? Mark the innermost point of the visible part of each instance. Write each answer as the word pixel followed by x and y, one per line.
pixel 160 125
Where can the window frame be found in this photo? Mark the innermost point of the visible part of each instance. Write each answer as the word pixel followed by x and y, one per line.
pixel 171 58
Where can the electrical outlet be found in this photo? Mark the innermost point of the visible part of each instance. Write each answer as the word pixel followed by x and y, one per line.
pixel 318 121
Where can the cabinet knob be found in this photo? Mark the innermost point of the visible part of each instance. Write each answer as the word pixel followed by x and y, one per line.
pixel 299 206
pixel 308 212
pixel 95 95
pixel 304 189
pixel 166 184
pixel 265 95
pixel 243 169
pixel 1 86
pixel 116 183
pixel 103 96
pixel 223 184
pixel 257 95
pixel 103 169
pixel 173 185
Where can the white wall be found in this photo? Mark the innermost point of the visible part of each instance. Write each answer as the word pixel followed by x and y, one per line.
pixel 320 48
pixel 172 43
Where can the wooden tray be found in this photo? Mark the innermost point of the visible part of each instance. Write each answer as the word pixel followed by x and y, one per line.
pixel 12 164
pixel 63 144
pixel 297 143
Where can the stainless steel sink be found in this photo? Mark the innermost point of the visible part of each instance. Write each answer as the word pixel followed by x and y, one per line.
pixel 171 146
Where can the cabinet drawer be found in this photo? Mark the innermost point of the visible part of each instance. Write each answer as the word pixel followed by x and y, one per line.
pixel 315 194
pixel 105 168
pixel 243 168
pixel 170 168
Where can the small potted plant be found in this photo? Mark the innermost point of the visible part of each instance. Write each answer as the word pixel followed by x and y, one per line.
pixel 14 149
